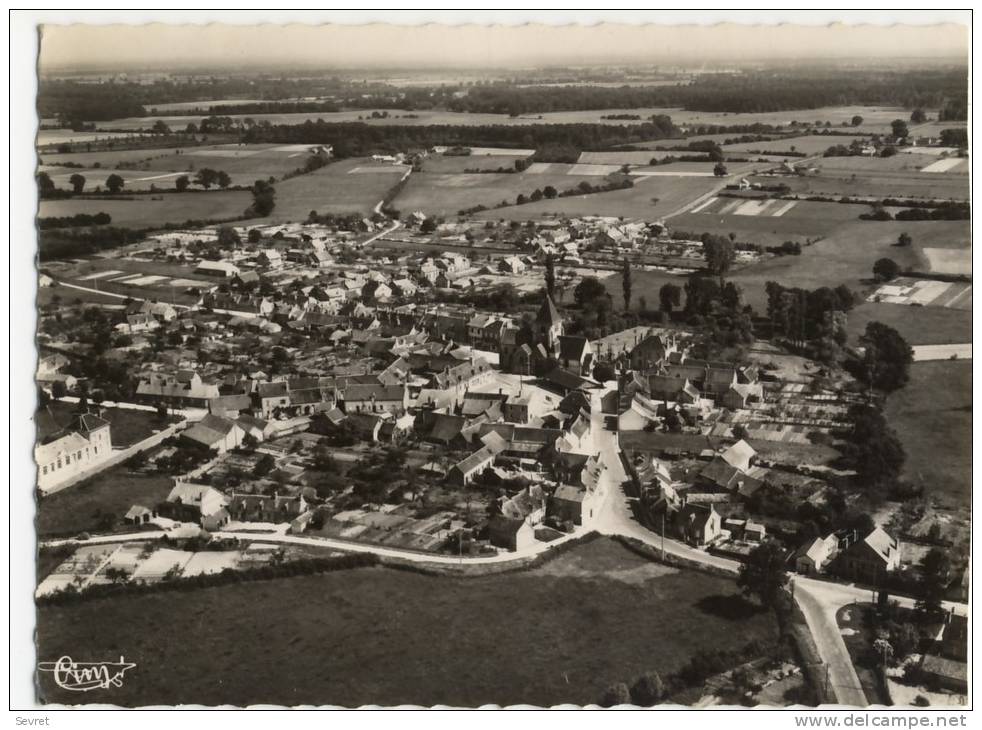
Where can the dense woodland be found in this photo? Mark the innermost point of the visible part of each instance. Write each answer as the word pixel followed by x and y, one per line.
pixel 353 139
pixel 944 90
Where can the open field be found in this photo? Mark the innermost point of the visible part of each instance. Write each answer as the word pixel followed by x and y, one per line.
pixel 809 144
pixel 876 119
pixel 949 260
pixel 541 637
pixel 111 492
pixel 672 194
pixel 906 162
pixel 243 163
pixel 845 256
pixel 918 325
pixel 59 136
pixel 444 194
pixel 349 186
pixel 147 211
pixel 932 415
pixel 875 183
pixel 456 164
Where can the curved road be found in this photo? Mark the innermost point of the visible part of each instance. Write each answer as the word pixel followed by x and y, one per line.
pixel 819 600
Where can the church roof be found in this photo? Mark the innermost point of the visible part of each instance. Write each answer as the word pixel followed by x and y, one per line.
pixel 548 314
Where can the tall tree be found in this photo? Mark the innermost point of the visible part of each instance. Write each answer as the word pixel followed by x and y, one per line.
pixel 114 183
pixel 935 573
pixel 764 573
pixel 550 275
pixel 78 183
pixel 887 357
pixel 182 183
pixel 719 253
pixel 626 283
pixel 46 185
pixel 670 297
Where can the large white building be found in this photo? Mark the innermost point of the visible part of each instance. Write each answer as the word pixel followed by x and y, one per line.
pixel 73 452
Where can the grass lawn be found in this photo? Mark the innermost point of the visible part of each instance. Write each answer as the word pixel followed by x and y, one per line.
pixel 155 210
pixel 933 417
pixel 560 633
pixel 128 426
pixel 114 491
pixel 918 325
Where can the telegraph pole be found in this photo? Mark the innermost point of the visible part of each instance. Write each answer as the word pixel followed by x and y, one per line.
pixel 663 536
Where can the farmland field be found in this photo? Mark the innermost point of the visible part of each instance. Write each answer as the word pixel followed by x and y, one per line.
pixel 450 164
pixel 445 194
pixel 876 119
pixel 672 194
pixel 809 144
pixel 874 183
pixel 844 256
pixel 933 417
pixel 542 637
pixel 147 211
pixel 348 186
pixel 918 325
pixel 141 168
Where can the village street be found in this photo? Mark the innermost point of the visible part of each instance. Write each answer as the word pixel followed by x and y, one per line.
pixel 819 600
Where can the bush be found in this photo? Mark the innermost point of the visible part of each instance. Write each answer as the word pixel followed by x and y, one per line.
pixel 648 690
pixel 615 694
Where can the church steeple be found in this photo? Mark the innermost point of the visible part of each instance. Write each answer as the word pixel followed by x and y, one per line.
pixel 549 325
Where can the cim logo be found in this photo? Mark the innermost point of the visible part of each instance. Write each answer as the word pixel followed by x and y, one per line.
pixel 85 676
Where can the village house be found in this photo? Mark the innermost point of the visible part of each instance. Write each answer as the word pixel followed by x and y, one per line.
pixel 698 524
pixel 510 534
pixel 198 503
pixel 215 433
pixel 375 398
pixel 813 557
pixel 176 388
pixel 869 559
pixel 264 508
pixel 217 269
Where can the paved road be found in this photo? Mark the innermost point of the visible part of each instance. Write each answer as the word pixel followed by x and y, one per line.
pixel 820 615
pixel 819 600
pixel 942 352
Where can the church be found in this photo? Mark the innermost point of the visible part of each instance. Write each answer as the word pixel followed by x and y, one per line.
pixel 526 353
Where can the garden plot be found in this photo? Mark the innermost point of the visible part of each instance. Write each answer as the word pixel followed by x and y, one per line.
pixel 79 570
pixel 764 207
pixel 948 164
pixel 925 294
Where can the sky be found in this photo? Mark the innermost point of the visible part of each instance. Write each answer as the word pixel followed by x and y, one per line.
pixel 119 47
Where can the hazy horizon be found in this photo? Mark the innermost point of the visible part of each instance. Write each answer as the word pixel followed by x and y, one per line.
pixel 159 47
